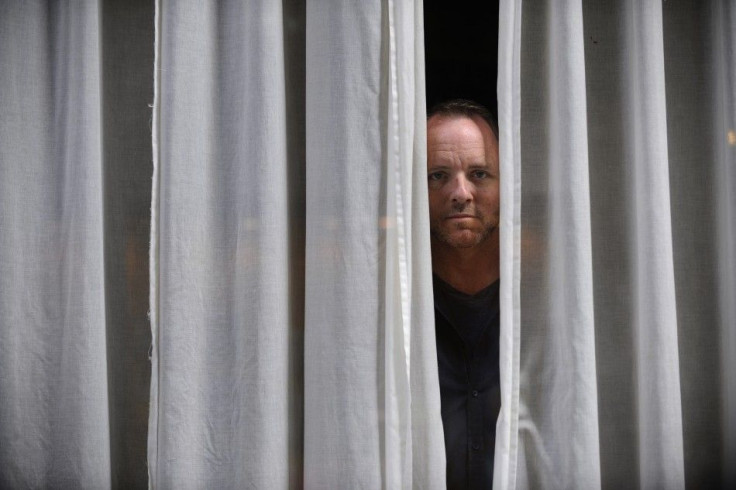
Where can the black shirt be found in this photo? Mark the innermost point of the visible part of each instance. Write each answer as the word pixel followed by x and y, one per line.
pixel 467 333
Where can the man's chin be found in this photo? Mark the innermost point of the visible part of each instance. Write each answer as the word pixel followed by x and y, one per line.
pixel 461 239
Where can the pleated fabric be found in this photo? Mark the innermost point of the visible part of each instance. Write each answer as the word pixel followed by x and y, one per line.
pixel 293 343
pixel 720 94
pixel 506 458
pixel 623 115
pixel 75 85
pixel 226 308
pixel 53 383
pixel 371 393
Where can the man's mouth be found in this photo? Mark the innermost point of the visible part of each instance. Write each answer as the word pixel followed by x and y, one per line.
pixel 460 216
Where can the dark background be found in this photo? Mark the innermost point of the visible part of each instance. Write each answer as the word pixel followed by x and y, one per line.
pixel 461 51
pixel 126 50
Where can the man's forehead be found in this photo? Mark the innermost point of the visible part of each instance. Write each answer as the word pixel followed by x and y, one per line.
pixel 461 136
pixel 449 145
pixel 459 129
pixel 451 151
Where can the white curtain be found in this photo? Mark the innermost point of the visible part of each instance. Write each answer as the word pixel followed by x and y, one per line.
pixel 619 213
pixel 75 84
pixel 53 383
pixel 290 291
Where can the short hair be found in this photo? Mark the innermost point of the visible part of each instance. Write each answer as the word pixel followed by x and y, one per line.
pixel 464 108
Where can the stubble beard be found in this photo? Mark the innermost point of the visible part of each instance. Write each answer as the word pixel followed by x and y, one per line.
pixel 452 240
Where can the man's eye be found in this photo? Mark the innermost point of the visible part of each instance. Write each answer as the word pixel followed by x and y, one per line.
pixel 434 176
pixel 480 174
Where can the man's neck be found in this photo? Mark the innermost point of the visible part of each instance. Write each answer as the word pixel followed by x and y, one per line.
pixel 468 270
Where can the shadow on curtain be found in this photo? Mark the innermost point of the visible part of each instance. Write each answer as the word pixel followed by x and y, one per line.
pixel 75 191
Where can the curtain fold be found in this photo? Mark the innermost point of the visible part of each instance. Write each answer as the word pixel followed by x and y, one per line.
pixel 626 221
pixel 654 316
pixel 722 18
pixel 558 408
pixel 506 459
pixel 227 330
pixel 54 423
pixel 246 276
pixel 368 319
pixel 74 201
pixel 345 388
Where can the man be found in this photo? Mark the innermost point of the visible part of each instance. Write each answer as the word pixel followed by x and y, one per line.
pixel 463 180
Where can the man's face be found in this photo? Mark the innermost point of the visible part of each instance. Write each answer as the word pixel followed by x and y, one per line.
pixel 462 171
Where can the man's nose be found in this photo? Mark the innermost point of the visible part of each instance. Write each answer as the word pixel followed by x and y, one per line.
pixel 461 192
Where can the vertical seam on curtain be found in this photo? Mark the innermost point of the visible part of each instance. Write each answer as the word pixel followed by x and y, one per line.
pixel 394 167
pixel 509 54
pixel 105 290
pixel 516 291
pixel 400 221
pixel 153 257
pixel 103 201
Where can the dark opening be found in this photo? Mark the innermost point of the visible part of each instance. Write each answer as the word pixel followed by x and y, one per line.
pixel 461 51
